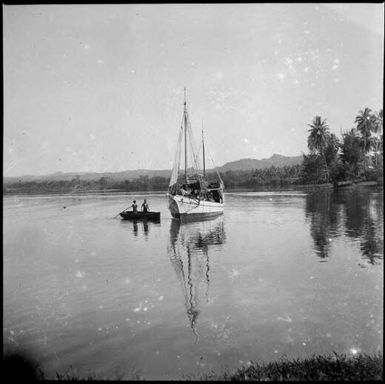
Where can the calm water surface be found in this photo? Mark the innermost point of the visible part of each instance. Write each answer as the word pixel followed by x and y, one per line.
pixel 279 274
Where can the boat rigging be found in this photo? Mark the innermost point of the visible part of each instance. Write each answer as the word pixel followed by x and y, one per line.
pixel 194 194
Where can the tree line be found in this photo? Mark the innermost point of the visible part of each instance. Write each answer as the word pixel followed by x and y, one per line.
pixel 77 185
pixel 272 176
pixel 356 155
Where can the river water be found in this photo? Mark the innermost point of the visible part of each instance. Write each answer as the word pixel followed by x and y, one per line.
pixel 280 274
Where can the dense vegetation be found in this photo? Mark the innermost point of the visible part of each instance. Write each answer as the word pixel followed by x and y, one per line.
pixel 336 367
pixel 272 176
pixel 356 156
pixel 316 368
pixel 142 183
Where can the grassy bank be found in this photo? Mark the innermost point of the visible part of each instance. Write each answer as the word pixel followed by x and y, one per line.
pixel 334 367
pixel 317 368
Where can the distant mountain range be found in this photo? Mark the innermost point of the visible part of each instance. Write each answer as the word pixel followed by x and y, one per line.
pixel 239 165
pixel 249 164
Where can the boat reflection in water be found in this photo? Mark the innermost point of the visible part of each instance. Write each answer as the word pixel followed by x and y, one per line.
pixel 188 249
pixel 145 224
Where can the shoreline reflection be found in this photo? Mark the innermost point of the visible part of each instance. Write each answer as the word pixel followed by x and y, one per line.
pixel 355 214
pixel 189 255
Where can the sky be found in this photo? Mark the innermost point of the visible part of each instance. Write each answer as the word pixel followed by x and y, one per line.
pixel 99 88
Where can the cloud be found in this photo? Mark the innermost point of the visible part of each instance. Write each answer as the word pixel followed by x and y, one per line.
pixel 281 76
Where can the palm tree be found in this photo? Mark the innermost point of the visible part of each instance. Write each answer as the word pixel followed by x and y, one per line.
pixel 378 122
pixel 377 129
pixel 365 122
pixel 332 147
pixel 351 153
pixel 318 139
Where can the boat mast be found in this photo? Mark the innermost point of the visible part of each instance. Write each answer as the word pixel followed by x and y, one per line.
pixel 203 149
pixel 185 136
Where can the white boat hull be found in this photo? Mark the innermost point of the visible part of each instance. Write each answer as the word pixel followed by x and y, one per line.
pixel 185 207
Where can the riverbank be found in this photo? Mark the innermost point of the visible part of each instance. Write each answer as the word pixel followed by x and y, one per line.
pixel 317 368
pixel 264 188
pixel 333 367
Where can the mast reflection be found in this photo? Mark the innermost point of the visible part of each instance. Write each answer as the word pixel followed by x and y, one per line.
pixel 189 255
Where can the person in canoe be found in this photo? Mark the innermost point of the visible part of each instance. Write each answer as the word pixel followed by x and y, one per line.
pixel 145 207
pixel 134 207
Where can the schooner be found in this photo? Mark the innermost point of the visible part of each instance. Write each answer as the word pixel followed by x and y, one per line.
pixel 191 194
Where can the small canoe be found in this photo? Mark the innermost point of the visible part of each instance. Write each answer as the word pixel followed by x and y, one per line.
pixel 129 215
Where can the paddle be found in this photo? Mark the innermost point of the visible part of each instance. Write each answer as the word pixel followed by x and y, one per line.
pixel 122 211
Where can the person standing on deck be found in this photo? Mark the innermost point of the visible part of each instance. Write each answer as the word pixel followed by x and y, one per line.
pixel 134 207
pixel 145 207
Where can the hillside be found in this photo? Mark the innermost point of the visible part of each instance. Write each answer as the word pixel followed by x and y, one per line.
pixel 239 165
pixel 249 164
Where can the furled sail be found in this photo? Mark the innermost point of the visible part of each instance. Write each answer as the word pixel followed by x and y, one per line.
pixel 176 166
pixel 194 153
pixel 194 159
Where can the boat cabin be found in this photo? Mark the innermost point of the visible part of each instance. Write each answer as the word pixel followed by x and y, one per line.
pixel 199 189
